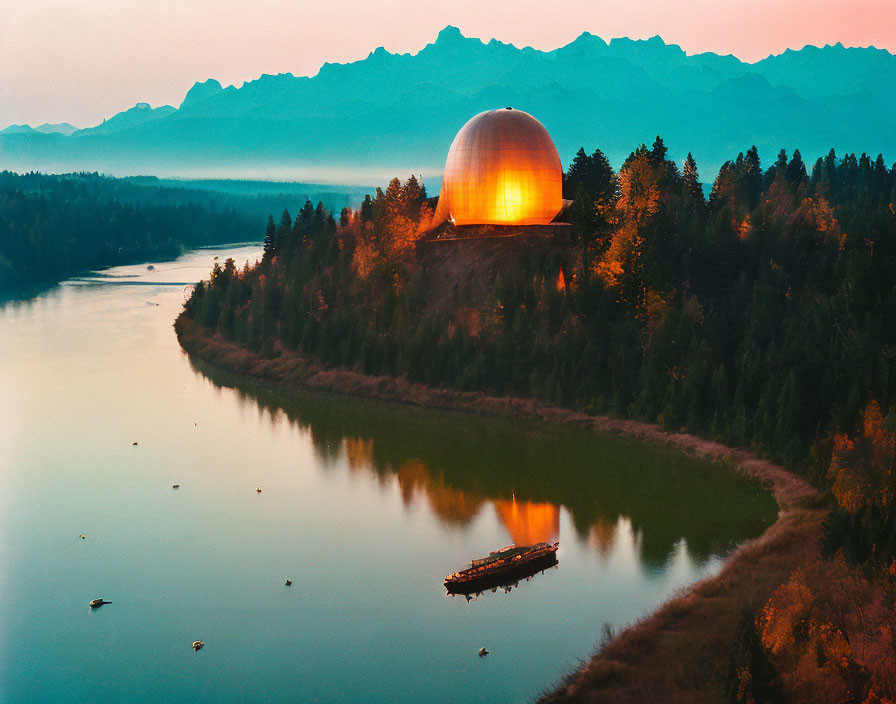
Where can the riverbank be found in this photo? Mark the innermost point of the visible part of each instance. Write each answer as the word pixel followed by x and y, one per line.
pixel 683 651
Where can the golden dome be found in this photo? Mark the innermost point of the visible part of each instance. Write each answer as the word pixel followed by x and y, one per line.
pixel 502 169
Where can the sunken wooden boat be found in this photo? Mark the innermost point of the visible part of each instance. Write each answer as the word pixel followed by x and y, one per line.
pixel 503 567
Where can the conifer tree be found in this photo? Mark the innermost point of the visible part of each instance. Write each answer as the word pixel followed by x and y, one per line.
pixel 367 209
pixel 753 176
pixel 270 241
pixel 796 170
pixel 283 228
pixel 692 191
pixel 659 150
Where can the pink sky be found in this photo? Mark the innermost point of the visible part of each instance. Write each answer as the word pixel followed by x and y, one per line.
pixel 63 60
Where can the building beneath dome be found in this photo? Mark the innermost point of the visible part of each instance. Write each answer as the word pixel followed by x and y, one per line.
pixel 502 169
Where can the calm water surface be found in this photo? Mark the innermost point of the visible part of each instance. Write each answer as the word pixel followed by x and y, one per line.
pixel 365 506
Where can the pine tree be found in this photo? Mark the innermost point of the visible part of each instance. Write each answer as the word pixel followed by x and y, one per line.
pixel 367 209
pixel 692 191
pixel 796 169
pixel 594 173
pixel 781 163
pixel 283 229
pixel 780 167
pixel 270 242
pixel 753 176
pixel 412 196
pixel 579 173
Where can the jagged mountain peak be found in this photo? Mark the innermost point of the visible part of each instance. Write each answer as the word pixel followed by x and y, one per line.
pixel 202 90
pixel 587 37
pixel 449 35
pixel 586 42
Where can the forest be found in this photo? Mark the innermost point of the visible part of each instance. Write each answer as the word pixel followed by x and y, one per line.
pixel 53 226
pixel 763 316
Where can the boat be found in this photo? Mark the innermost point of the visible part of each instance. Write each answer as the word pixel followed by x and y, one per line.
pixel 502 567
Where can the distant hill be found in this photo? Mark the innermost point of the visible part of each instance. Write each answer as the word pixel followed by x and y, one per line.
pixel 46 128
pixel 140 114
pixel 254 200
pixel 52 226
pixel 397 113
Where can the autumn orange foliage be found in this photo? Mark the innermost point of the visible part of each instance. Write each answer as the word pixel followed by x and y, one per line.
pixel 861 469
pixel 831 633
pixel 831 628
pixel 817 215
pixel 813 653
pixel 400 220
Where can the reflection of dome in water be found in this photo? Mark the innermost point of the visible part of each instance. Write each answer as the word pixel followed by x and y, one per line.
pixel 502 169
pixel 528 522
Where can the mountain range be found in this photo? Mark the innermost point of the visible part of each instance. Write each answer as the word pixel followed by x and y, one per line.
pixel 46 128
pixel 393 114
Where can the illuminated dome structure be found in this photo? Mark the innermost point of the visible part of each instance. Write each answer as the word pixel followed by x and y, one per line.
pixel 502 169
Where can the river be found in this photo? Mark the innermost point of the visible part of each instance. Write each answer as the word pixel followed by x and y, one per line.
pixel 365 506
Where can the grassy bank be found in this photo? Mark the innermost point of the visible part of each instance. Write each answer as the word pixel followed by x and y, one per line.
pixel 683 652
